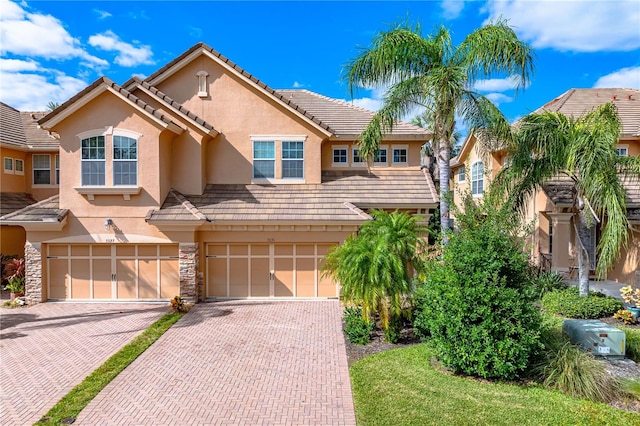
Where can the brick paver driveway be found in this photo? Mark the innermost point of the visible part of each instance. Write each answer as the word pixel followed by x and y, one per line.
pixel 47 349
pixel 237 363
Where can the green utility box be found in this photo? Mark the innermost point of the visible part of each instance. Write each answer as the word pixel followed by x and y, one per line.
pixel 597 337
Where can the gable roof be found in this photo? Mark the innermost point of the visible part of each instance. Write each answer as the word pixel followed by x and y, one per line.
pixel 11 130
pixel 95 89
pixel 13 201
pixel 20 130
pixel 577 102
pixel 46 211
pixel 344 118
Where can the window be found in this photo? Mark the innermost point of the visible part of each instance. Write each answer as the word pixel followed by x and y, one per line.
pixel 506 161
pixel 57 169
pixel 19 167
pixel 477 178
pixel 399 155
pixel 264 159
pixel 125 161
pixel 622 151
pixel 8 165
pixel 202 84
pixel 41 169
pixel 340 156
pixel 357 160
pixel 93 161
pixel 461 174
pixel 292 159
pixel 380 157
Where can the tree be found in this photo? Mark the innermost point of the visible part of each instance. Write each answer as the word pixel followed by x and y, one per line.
pixel 51 105
pixel 375 266
pixel 434 74
pixel 549 145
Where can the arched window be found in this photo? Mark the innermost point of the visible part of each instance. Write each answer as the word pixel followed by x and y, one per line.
pixel 477 178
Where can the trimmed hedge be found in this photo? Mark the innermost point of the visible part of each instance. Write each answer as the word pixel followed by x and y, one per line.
pixel 568 303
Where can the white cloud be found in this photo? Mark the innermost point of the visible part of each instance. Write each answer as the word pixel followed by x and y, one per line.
pixel 451 9
pixel 17 65
pixel 128 55
pixel 37 35
pixel 32 92
pixel 298 85
pixel 367 103
pixel 496 84
pixel 580 26
pixel 627 78
pixel 498 98
pixel 102 14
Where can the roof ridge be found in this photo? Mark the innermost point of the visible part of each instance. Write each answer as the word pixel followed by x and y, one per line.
pixel 187 204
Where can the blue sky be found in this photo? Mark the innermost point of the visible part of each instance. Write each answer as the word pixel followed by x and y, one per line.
pixel 50 50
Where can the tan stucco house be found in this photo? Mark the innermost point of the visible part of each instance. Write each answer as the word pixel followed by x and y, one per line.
pixel 204 182
pixel 553 238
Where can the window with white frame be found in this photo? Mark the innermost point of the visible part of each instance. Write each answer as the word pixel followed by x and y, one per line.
pixel 340 156
pixel 19 166
pixel 622 151
pixel 125 161
pixel 380 157
pixel 93 161
pixel 57 165
pixel 202 84
pixel 8 165
pixel 292 159
pixel 477 178
pixel 399 155
pixel 264 159
pixel 461 174
pixel 41 169
pixel 356 160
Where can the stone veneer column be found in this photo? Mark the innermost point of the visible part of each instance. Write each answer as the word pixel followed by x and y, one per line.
pixel 188 267
pixel 33 273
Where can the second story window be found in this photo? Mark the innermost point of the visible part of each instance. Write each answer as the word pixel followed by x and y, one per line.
pixel 125 161
pixel 461 174
pixel 41 169
pixel 357 160
pixel 622 151
pixel 340 156
pixel 93 161
pixel 292 159
pixel 264 159
pixel 399 155
pixel 477 178
pixel 19 166
pixel 380 157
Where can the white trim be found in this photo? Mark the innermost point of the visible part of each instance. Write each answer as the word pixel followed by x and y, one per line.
pixel 354 150
pixel 33 170
pixel 623 147
pixel 15 166
pixel 10 171
pixel 283 160
pixel 382 148
pixel 287 138
pixel 461 177
pixel 203 91
pixel 95 132
pixel 479 179
pixel 127 133
pixel 335 147
pixel 400 163
pixel 125 191
pixel 56 169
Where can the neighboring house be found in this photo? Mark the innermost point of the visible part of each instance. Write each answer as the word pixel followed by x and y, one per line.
pixel 30 170
pixel 553 239
pixel 202 181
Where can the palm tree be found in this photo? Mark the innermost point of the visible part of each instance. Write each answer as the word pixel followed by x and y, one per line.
pixel 434 74
pixel 375 266
pixel 549 145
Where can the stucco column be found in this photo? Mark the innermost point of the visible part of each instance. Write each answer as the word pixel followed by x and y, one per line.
pixel 188 267
pixel 561 223
pixel 33 273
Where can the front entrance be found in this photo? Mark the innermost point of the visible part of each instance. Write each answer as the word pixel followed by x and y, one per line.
pixel 267 270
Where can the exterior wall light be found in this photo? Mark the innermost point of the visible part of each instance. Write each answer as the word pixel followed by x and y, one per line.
pixel 107 224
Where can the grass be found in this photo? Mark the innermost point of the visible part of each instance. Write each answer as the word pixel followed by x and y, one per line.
pixel 401 387
pixel 71 404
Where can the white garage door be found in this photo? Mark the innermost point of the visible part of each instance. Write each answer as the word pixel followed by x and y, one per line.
pixel 267 270
pixel 112 271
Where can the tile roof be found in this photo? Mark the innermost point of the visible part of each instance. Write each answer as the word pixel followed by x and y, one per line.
pixel 576 102
pixel 340 197
pixel 36 136
pixel 343 117
pixel 13 201
pixel 177 207
pixel 11 130
pixel 44 211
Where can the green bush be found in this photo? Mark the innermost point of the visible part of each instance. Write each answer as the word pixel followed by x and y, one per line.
pixel 632 349
pixel 392 333
pixel 548 281
pixel 477 304
pixel 568 303
pixel 358 330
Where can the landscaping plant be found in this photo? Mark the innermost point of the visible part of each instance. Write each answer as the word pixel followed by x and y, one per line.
pixel 477 304
pixel 625 316
pixel 357 329
pixel 547 281
pixel 568 303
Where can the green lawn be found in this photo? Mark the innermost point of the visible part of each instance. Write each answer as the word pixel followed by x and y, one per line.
pixel 400 387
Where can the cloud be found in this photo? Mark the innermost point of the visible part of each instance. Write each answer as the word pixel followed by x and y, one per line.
pixel 32 92
pixel 37 35
pixel 102 14
pixel 128 55
pixel 298 85
pixel 496 84
pixel 17 65
pixel 627 78
pixel 451 9
pixel 367 103
pixel 498 98
pixel 578 26
pixel 195 32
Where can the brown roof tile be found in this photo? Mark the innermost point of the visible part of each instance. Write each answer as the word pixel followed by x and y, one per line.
pixel 11 130
pixel 44 211
pixel 14 201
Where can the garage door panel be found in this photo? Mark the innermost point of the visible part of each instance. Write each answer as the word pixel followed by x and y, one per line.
pixel 169 278
pixel 147 279
pixel 101 269
pixel 58 278
pixel 217 277
pixel 326 286
pixel 305 277
pixel 283 284
pixel 126 276
pixel 80 278
pixel 238 277
pixel 260 278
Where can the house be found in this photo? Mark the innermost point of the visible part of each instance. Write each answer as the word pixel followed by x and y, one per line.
pixel 204 182
pixel 30 170
pixel 553 238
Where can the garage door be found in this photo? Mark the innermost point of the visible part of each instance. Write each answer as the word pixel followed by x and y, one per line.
pixel 267 270
pixel 113 271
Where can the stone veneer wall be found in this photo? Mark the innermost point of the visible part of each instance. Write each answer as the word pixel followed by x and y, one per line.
pixel 33 273
pixel 188 269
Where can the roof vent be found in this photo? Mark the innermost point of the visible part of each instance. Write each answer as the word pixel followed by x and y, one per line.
pixel 33 116
pixel 628 97
pixel 613 97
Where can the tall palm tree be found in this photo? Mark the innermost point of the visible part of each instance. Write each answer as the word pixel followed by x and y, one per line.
pixel 375 266
pixel 433 73
pixel 549 145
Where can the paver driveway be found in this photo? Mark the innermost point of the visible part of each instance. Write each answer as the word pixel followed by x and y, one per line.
pixel 47 349
pixel 237 363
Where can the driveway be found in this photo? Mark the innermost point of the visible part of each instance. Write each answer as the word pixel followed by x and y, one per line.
pixel 47 349
pixel 237 363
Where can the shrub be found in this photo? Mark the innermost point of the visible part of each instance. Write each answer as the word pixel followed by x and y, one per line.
pixel 632 348
pixel 568 303
pixel 357 328
pixel 392 333
pixel 179 306
pixel 625 316
pixel 548 281
pixel 477 302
